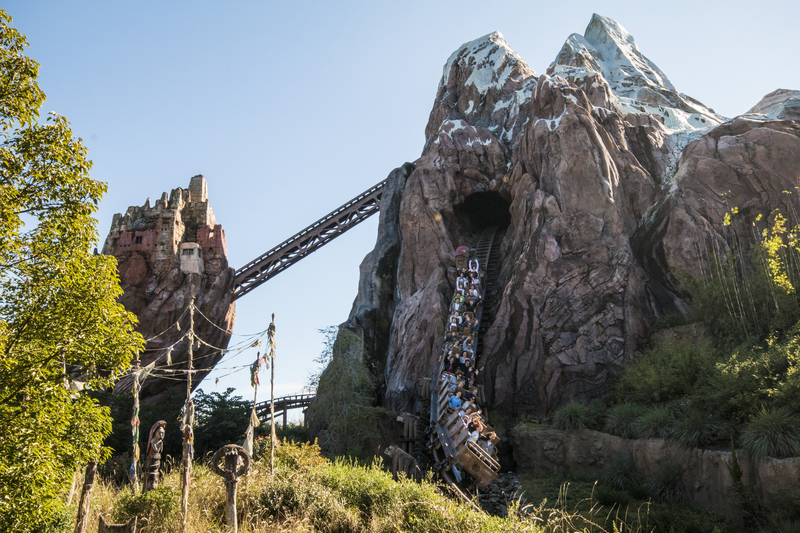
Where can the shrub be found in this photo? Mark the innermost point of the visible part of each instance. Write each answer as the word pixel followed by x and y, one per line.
pixel 772 432
pixel 571 417
pixel 342 416
pixel 156 509
pixel 695 427
pixel 621 472
pixel 666 485
pixel 621 420
pixel 611 497
pixel 667 373
pixel 655 423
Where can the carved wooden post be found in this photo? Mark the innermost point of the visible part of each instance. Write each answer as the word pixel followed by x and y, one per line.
pixel 86 498
pixel 188 422
pixel 231 474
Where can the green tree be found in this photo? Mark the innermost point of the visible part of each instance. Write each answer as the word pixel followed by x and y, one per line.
pixel 342 416
pixel 61 329
pixel 221 419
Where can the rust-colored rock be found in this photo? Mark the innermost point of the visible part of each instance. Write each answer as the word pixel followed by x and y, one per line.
pixel 606 179
pixel 165 252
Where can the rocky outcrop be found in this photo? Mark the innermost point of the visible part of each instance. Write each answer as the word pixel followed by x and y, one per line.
pixel 167 254
pixel 607 181
pixel 705 476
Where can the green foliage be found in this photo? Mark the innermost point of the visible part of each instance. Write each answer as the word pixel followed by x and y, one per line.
pixel 343 412
pixel 697 427
pixel 297 433
pixel 572 417
pixel 621 420
pixel 666 486
pixel 119 441
pixel 156 509
pixel 221 419
pixel 621 472
pixel 60 324
pixel 772 432
pixel 750 298
pixel 667 373
pixel 760 375
pixel 611 497
pixel 654 423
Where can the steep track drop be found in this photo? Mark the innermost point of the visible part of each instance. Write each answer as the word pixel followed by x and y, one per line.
pixel 448 440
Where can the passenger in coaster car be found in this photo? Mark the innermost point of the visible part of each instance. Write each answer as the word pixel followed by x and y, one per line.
pixel 474 279
pixel 473 292
pixel 457 305
pixel 455 401
pixel 474 265
pixel 457 318
pixel 461 284
pixel 472 304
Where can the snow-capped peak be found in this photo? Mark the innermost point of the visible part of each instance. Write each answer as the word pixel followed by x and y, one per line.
pixel 490 59
pixel 621 57
pixel 638 84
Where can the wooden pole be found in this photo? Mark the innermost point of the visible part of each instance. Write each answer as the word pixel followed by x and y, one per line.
pixel 188 436
pixel 86 498
pixel 272 437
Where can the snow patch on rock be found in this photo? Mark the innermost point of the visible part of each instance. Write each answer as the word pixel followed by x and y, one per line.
pixel 639 86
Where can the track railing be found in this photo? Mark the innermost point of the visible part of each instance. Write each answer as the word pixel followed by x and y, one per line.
pixel 310 239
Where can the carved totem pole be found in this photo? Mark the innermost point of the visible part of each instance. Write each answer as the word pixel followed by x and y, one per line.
pixel 155 445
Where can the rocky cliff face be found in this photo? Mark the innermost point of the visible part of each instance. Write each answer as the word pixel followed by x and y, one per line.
pixel 166 254
pixel 607 180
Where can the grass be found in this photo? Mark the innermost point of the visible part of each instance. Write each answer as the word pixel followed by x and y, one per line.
pixel 621 420
pixel 654 423
pixel 772 432
pixel 695 427
pixel 572 417
pixel 594 506
pixel 310 493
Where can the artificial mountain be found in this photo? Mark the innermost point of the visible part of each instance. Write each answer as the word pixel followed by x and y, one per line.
pixel 609 182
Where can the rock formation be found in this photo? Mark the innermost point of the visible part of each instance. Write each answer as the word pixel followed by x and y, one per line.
pixel 607 180
pixel 165 252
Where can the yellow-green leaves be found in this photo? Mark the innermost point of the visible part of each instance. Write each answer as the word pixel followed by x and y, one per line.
pixel 59 318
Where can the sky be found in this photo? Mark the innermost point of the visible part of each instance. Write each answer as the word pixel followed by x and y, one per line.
pixel 289 109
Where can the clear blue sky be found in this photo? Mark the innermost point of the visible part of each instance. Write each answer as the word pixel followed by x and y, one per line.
pixel 291 108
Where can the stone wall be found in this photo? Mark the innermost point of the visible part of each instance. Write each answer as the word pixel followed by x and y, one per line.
pixel 705 474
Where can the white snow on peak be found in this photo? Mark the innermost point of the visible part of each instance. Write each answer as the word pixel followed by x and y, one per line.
pixel 778 105
pixel 490 59
pixel 620 57
pixel 638 84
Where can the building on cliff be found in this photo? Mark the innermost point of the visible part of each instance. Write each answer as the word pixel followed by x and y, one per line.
pixel 166 253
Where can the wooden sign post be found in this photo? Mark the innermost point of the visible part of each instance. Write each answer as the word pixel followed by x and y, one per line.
pixel 231 474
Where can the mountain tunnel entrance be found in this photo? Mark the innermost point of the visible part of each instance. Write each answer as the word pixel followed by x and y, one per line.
pixel 482 210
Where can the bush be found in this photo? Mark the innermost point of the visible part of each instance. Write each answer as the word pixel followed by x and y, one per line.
pixel 342 415
pixel 667 373
pixel 655 423
pixel 772 432
pixel 116 468
pixel 611 497
pixel 666 486
pixel 156 509
pixel 621 472
pixel 571 417
pixel 621 420
pixel 695 427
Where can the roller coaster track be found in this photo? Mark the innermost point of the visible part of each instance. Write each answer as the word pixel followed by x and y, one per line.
pixel 310 239
pixel 283 405
pixel 444 448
